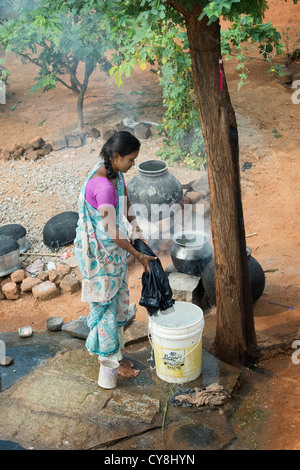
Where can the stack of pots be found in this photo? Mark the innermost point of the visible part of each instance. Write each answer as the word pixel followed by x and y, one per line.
pixel 12 243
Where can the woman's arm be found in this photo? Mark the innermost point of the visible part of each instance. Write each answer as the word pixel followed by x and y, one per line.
pixel 108 215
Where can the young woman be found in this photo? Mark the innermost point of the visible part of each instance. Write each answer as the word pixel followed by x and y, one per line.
pixel 102 246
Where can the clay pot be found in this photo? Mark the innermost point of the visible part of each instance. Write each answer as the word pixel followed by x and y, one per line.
pixel 154 184
pixel 191 251
pixel 257 278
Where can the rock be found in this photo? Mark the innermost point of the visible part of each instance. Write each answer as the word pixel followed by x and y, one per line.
pixel 63 269
pixel 194 197
pixel 77 328
pixel 54 276
pixel 25 331
pixel 37 143
pixel 2 296
pixel 206 206
pixel 106 132
pixel 32 155
pixel 183 286
pixel 154 130
pixel 80 329
pixel 296 76
pixel 6 361
pixel 122 127
pixel 5 281
pixel 72 261
pixel 77 273
pixel 137 331
pixel 94 133
pixel 201 184
pixel 18 276
pixel 4 155
pixel 43 276
pixel 60 144
pixel 54 323
pixel 45 150
pixel 28 284
pixel 45 291
pixel 11 291
pixel 142 131
pixel 74 141
pixel 70 284
pixel 285 75
pixel 17 154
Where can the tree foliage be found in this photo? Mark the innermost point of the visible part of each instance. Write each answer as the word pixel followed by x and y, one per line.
pixel 56 43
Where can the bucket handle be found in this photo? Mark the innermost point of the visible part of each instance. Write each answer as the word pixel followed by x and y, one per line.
pixel 152 345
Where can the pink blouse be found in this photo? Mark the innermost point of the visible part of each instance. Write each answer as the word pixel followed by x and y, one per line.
pixel 100 192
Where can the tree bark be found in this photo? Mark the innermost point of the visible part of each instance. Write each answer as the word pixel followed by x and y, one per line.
pixel 235 340
pixel 88 70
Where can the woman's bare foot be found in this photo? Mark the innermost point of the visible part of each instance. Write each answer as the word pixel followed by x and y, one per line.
pixel 126 368
pixel 127 363
pixel 127 372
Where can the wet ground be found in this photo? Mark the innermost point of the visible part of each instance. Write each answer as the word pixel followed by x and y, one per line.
pixel 51 399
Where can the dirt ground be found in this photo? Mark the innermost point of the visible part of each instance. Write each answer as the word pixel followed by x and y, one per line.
pixel 268 416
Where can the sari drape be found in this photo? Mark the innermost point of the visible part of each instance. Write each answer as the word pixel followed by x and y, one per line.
pixel 104 273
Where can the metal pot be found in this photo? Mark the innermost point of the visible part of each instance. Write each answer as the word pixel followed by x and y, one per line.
pixel 9 257
pixel 16 232
pixel 191 251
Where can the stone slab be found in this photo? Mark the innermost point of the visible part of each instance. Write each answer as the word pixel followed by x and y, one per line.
pixel 80 329
pixel 60 405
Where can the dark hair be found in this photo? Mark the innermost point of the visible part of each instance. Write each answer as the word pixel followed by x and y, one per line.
pixel 123 143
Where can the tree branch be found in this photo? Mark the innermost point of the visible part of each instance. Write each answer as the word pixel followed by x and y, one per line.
pixel 37 63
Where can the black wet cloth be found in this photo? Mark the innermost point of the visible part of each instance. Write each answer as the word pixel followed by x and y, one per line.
pixel 156 291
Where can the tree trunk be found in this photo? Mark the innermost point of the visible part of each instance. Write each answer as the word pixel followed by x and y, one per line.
pixel 89 68
pixel 235 340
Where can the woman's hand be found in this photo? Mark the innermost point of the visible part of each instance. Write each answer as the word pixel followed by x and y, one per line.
pixel 144 260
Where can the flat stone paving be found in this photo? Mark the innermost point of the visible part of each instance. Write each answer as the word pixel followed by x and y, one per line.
pixel 56 403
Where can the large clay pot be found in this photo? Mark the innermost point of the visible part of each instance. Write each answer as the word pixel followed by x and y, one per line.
pixel 154 184
pixel 257 278
pixel 191 251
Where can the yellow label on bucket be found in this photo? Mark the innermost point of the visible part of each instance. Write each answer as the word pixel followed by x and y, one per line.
pixel 178 365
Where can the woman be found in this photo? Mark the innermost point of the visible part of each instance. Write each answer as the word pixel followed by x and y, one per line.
pixel 102 246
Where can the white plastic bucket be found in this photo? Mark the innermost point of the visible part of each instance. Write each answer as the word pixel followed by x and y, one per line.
pixel 108 373
pixel 176 340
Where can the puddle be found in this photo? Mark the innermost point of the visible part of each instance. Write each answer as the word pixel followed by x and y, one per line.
pixel 10 445
pixel 26 359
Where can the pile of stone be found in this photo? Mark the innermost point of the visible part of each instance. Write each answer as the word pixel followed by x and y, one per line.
pixel 45 284
pixel 38 148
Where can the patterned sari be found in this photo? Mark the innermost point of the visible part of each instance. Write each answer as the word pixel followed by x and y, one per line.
pixel 104 273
